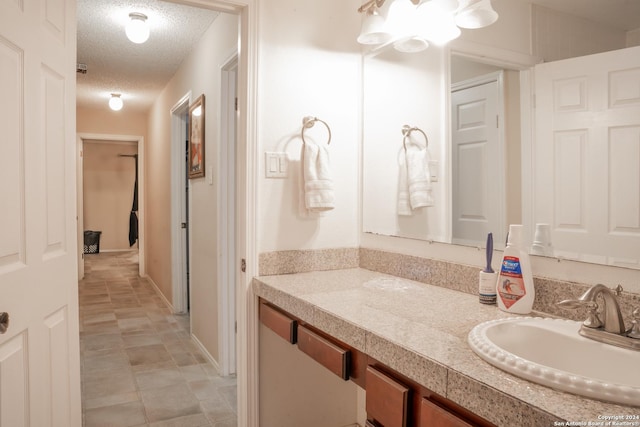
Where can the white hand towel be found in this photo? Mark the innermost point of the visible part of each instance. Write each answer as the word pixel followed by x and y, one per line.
pixel 318 186
pixel 419 177
pixel 404 206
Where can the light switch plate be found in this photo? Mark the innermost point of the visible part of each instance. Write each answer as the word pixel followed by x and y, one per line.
pixel 276 164
pixel 433 170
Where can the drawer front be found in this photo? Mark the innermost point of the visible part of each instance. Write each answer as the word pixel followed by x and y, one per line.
pixel 387 399
pixel 432 415
pixel 334 358
pixel 279 322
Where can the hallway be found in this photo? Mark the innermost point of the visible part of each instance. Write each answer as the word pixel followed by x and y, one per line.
pixel 139 365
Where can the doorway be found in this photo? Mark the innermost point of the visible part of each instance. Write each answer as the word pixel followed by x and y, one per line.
pixel 138 141
pixel 228 229
pixel 180 204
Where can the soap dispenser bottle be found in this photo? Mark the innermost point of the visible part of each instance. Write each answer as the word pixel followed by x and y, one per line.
pixel 515 282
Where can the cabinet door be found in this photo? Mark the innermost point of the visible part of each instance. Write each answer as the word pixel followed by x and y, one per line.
pixel 387 400
pixel 432 415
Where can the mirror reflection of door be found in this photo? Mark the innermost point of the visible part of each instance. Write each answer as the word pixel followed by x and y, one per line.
pixel 476 153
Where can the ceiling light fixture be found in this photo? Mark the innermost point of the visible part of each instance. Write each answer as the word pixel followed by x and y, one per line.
pixel 137 29
pixel 115 102
pixel 410 25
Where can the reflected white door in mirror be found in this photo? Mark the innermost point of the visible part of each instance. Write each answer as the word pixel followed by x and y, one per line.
pixel 477 168
pixel 586 156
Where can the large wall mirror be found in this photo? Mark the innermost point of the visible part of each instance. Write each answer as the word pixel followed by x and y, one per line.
pixel 474 117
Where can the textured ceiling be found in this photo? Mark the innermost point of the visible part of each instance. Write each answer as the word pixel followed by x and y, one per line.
pixel 138 71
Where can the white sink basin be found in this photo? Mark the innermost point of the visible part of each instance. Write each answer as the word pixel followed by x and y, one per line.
pixel 552 353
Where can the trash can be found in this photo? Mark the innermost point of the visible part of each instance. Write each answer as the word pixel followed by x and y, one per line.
pixel 92 241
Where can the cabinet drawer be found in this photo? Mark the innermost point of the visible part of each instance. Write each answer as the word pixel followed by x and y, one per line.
pixel 334 358
pixel 279 322
pixel 432 415
pixel 387 400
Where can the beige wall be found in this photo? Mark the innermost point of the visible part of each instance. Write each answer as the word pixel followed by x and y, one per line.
pixel 105 121
pixel 108 191
pixel 199 74
pixel 309 65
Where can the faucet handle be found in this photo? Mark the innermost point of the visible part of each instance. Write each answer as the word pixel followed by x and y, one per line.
pixel 617 290
pixel 634 332
pixel 593 320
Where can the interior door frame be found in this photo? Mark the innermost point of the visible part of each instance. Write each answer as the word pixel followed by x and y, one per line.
pixel 179 182
pixel 226 216
pixel 139 140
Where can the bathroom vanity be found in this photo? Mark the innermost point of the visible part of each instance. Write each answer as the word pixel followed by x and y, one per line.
pixel 392 352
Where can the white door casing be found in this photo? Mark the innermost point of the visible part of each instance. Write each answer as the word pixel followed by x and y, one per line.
pixel 586 156
pixel 477 160
pixel 227 217
pixel 179 205
pixel 39 353
pixel 139 140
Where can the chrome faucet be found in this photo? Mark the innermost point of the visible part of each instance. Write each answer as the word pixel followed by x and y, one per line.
pixel 613 321
pixel 606 324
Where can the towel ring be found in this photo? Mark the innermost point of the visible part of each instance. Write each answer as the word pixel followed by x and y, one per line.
pixel 406 133
pixel 308 122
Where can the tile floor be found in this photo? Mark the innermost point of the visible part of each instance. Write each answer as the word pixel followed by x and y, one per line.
pixel 139 365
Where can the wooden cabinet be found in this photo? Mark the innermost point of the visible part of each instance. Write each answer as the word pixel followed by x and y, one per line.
pixel 333 357
pixel 392 400
pixel 387 400
pixel 432 415
pixel 279 322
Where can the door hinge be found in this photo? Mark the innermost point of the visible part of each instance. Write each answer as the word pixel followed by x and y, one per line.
pixel 236 327
pixel 236 104
pixel 243 265
pixel 183 225
pixel 497 121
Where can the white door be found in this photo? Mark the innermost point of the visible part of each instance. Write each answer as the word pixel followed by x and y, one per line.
pixel 39 353
pixel 587 152
pixel 476 157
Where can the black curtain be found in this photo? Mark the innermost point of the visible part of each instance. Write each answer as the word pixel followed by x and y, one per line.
pixel 133 217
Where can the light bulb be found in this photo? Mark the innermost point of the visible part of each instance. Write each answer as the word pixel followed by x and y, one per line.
pixel 436 24
pixel 137 29
pixel 115 102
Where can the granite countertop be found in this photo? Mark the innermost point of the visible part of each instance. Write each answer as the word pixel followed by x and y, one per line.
pixel 421 331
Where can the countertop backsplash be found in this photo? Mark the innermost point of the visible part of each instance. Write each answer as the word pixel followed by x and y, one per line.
pixel 455 276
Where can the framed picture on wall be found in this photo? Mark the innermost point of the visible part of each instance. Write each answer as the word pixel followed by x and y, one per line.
pixel 196 138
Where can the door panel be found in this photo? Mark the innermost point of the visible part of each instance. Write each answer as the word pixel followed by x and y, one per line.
pixel 11 154
pixel 39 353
pixel 586 156
pixel 14 402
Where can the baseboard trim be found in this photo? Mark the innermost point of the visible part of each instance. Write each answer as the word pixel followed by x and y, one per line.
pixel 206 353
pixel 157 289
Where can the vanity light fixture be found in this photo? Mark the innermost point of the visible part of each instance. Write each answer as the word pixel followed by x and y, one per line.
pixel 115 102
pixel 137 29
pixel 412 24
